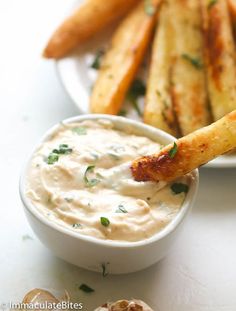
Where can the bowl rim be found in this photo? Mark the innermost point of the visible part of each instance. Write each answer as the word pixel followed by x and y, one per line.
pixel 148 130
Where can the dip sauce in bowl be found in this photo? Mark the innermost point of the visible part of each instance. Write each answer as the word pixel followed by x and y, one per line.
pixel 78 179
pixel 78 183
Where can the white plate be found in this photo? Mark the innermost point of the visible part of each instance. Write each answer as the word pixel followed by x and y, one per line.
pixel 77 77
pixel 226 161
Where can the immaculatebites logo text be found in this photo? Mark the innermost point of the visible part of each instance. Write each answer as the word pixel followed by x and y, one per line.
pixel 62 305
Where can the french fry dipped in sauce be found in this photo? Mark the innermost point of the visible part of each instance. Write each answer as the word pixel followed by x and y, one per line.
pixel 189 152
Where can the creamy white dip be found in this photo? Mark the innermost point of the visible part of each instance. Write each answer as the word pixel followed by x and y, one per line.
pixel 80 179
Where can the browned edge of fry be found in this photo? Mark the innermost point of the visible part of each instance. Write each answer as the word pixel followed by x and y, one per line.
pixel 191 151
pixel 232 11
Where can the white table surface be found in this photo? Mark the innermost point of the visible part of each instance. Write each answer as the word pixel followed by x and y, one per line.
pixel 200 272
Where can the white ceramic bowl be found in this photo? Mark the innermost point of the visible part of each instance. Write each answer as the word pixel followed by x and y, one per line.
pixel 109 256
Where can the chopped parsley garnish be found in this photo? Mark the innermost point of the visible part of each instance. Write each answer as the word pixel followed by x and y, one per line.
pixel 122 113
pixel 93 181
pixel 54 155
pixel 52 158
pixel 172 152
pixel 105 221
pixel 77 226
pixel 80 130
pixel 149 8
pixel 85 288
pixel 63 149
pixel 121 209
pixel 104 269
pixel 196 62
pixel 179 188
pixel 211 3
pixel 96 64
pixel 136 90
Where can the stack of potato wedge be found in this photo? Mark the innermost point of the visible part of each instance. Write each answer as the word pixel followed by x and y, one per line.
pixel 191 78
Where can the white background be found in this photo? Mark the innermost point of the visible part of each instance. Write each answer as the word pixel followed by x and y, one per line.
pixel 200 272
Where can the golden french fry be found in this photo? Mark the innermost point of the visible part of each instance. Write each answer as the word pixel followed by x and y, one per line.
pixel 219 57
pixel 158 110
pixel 188 82
pixel 89 19
pixel 122 60
pixel 189 152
